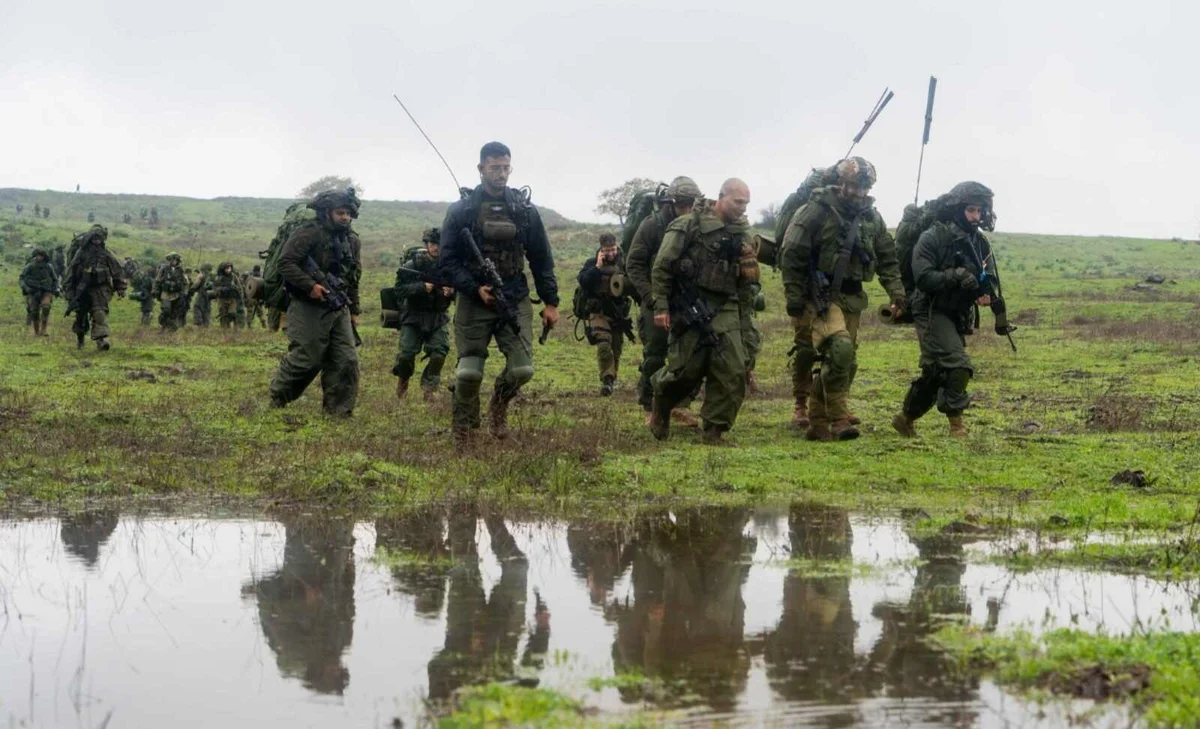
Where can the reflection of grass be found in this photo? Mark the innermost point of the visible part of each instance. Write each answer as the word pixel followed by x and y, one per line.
pixel 1077 663
pixel 818 568
pixel 1166 560
pixel 391 558
pixel 499 705
pixel 656 690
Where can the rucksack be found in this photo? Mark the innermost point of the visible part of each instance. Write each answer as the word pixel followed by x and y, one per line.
pixel 916 220
pixel 275 294
pixel 819 177
pixel 579 304
pixel 641 206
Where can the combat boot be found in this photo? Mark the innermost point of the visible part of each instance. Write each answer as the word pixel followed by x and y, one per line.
pixel 608 386
pixel 685 417
pixel 958 429
pixel 905 426
pixel 102 344
pixel 800 414
pixel 498 416
pixel 713 436
pixel 818 430
pixel 78 341
pixel 659 421
pixel 401 387
pixel 45 322
pixel 844 430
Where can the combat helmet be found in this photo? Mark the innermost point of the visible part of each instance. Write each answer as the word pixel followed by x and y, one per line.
pixel 953 204
pixel 334 199
pixel 175 257
pixel 432 235
pixel 683 187
pixel 856 170
pixel 206 267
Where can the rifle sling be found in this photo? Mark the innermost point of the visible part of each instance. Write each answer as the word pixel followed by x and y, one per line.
pixel 848 246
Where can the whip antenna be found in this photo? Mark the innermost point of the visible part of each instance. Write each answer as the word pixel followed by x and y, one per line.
pixel 457 187
pixel 884 98
pixel 925 136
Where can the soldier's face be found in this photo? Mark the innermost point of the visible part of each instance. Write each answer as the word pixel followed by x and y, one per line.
pixel 609 252
pixel 340 217
pixel 853 191
pixel 433 249
pixel 973 214
pixel 732 206
pixel 494 172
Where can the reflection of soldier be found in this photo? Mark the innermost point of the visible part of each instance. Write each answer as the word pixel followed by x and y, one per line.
pixel 599 555
pixel 425 566
pixel 306 608
pixel 83 534
pixel 482 633
pixel 904 658
pixel 810 654
pixel 685 623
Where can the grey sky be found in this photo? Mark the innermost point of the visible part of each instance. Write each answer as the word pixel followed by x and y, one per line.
pixel 1083 117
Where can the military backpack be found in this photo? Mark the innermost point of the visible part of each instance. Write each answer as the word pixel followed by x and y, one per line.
pixel 817 178
pixel 641 206
pixel 275 294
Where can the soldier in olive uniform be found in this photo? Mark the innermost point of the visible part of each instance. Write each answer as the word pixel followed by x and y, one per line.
pixel 954 271
pixel 607 304
pixel 508 230
pixel 252 290
pixel 170 288
pixel 424 322
pixel 60 261
pixel 93 274
pixel 682 195
pixel 321 264
pixel 130 267
pixel 200 291
pixel 40 285
pixel 834 243
pixel 227 290
pixel 751 334
pixel 143 285
pixel 705 267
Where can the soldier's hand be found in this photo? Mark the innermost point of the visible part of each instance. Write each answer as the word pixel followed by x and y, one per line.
pixel 448 292
pixel 599 258
pixel 550 315
pixel 965 279
pixel 318 292
pixel 984 300
pixel 428 288
pixel 662 321
pixel 354 320
pixel 485 294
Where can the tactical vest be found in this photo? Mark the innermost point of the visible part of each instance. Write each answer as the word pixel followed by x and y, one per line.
pixel 713 256
pixel 172 279
pixel 226 286
pixel 95 267
pixel 827 238
pixel 419 259
pixel 500 238
pixel 603 288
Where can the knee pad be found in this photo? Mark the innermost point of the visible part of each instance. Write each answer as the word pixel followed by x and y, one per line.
pixel 470 370
pixel 521 374
pixel 839 356
pixel 957 380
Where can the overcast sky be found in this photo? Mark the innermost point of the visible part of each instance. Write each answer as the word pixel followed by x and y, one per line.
pixel 1083 117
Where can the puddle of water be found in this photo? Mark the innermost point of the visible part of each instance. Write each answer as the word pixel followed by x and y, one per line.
pixel 312 620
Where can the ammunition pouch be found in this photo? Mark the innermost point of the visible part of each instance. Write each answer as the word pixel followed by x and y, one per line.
pixel 766 250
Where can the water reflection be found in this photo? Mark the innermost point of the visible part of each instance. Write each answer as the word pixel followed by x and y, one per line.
pixel 421 556
pixel 306 607
pixel 84 533
pixel 684 622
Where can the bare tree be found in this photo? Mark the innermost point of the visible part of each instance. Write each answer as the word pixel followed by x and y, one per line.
pixel 615 201
pixel 769 216
pixel 329 182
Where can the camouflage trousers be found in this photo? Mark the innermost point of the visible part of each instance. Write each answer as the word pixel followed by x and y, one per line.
pixel 92 314
pixel 227 313
pixel 320 342
pixel 945 367
pixel 37 309
pixel 202 310
pixel 172 313
pixel 609 345
pixel 276 319
pixel 721 369
pixel 147 308
pixel 835 337
pixel 254 309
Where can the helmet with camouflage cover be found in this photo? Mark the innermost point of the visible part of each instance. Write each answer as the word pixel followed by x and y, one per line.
pixel 684 187
pixel 206 267
pixel 334 199
pixel 173 256
pixel 432 235
pixel 856 170
pixel 970 193
pixel 953 205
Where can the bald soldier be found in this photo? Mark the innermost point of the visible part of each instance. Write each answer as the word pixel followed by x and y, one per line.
pixel 703 272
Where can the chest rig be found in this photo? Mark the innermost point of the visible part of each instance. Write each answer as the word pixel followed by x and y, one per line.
pixel 714 257
pixel 500 236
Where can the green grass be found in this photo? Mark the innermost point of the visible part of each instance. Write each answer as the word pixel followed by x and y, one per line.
pixel 1175 559
pixel 1058 662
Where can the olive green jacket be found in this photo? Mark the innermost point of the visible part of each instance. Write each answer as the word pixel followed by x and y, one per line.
pixel 316 239
pixel 700 252
pixel 939 250
pixel 639 262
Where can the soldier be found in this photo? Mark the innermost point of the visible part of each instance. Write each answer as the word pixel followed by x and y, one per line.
pixel 227 290
pixel 701 275
pixel 508 230
pixel 951 262
pixel 40 286
pixel 130 267
pixel 682 195
pixel 751 334
pixel 607 304
pixel 143 285
pixel 320 264
pixel 276 318
pixel 424 322
pixel 93 274
pixel 200 291
pixel 253 295
pixel 170 288
pixel 60 260
pixel 833 244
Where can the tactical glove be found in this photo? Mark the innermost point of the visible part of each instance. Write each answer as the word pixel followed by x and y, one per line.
pixel 1000 311
pixel 965 279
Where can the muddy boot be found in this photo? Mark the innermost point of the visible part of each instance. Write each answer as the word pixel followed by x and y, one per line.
pixel 905 426
pixel 751 383
pixel 659 421
pixel 685 417
pixel 401 387
pixel 102 344
pixel 78 341
pixel 958 429
pixel 818 430
pixel 713 436
pixel 45 321
pixel 608 386
pixel 853 419
pixel 498 416
pixel 844 430
pixel 800 414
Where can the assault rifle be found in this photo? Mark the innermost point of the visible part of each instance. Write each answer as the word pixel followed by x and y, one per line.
pixel 695 313
pixel 620 324
pixel 439 277
pixel 989 285
pixel 335 292
pixel 75 303
pixel 489 276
